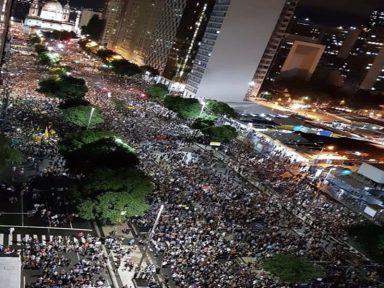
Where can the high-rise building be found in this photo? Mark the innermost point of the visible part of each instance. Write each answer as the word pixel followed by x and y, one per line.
pixel 138 22
pixel 237 35
pixel 272 48
pixel 112 17
pixel 188 38
pixel 377 18
pixel 5 16
pixel 302 60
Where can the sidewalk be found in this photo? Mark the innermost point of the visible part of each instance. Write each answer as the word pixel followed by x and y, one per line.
pixel 126 276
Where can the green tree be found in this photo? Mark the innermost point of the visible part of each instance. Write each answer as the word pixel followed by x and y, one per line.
pixel 40 48
pixel 292 269
pixel 76 141
pixel 186 108
pixel 48 59
pixel 34 39
pixel 124 67
pixel 121 180
pixel 94 28
pixel 223 134
pixel 86 209
pixel 158 91
pixel 8 158
pixel 203 123
pixel 80 116
pixel 220 108
pixel 109 153
pixel 64 87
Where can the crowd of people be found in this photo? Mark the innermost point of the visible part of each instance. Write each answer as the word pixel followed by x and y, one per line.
pixel 221 207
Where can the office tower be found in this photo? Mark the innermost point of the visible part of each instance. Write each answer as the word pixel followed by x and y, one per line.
pixel 5 16
pixel 377 18
pixel 112 17
pixel 188 38
pixel 138 21
pixel 302 60
pixel 272 48
pixel 237 35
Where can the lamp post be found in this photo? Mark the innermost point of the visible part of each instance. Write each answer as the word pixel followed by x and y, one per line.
pixel 90 117
pixel 150 236
pixel 329 172
pixel 203 103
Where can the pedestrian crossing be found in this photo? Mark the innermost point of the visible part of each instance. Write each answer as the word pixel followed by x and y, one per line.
pixel 15 239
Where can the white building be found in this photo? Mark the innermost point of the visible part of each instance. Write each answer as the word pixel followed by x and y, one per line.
pixel 52 16
pixel 237 35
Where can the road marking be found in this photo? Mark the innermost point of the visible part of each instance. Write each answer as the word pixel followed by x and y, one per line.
pixel 26 237
pixel 10 239
pixel 18 238
pixel 43 238
pixel 51 228
pixel 2 239
pixel 50 238
pixel 34 237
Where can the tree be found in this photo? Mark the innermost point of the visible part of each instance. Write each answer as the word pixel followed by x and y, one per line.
pixel 369 238
pixel 124 67
pixel 8 157
pixel 187 108
pixel 40 48
pixel 80 116
pixel 48 59
pixel 64 87
pixel 121 180
pixel 86 209
pixel 109 153
pixel 220 108
pixel 223 134
pixel 34 39
pixel 94 28
pixel 105 53
pixel 158 91
pixel 203 123
pixel 76 141
pixel 292 269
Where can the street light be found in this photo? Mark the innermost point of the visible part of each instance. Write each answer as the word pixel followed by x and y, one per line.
pixel 330 148
pixel 203 103
pixel 90 117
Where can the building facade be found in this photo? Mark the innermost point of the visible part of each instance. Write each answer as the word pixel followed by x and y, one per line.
pixel 112 17
pixel 237 35
pixel 86 15
pixel 52 16
pixel 5 16
pixel 273 45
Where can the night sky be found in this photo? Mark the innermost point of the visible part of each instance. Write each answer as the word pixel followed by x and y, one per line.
pixel 332 12
pixel 338 12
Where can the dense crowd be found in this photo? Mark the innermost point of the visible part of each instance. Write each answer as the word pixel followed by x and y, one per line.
pixel 221 207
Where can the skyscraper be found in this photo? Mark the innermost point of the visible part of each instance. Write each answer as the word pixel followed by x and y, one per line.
pixel 377 18
pixel 112 16
pixel 272 48
pixel 236 40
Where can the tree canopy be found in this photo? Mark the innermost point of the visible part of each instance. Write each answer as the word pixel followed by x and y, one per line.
pixel 187 108
pixel 94 28
pixel 124 67
pixel 292 269
pixel 158 91
pixel 109 153
pixel 369 238
pixel 223 134
pixel 63 87
pixel 76 141
pixel 8 157
pixel 48 59
pixel 220 108
pixel 80 116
